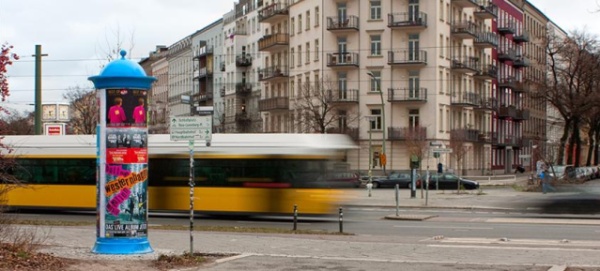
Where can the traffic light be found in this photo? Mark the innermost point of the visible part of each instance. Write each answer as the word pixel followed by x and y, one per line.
pixel 382 159
pixel 414 161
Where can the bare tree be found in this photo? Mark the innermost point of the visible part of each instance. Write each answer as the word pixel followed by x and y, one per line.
pixel 416 142
pixel 460 149
pixel 16 123
pixel 84 110
pixel 114 42
pixel 321 107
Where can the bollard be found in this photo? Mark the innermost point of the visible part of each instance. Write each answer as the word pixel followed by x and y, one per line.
pixel 397 194
pixel 369 187
pixel 427 189
pixel 295 216
pixel 341 221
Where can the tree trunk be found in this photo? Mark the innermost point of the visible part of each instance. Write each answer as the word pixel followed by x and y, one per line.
pixel 563 140
pixel 591 145
pixel 577 141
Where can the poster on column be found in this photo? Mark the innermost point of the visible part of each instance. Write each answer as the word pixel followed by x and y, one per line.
pixel 126 108
pixel 126 203
pixel 126 145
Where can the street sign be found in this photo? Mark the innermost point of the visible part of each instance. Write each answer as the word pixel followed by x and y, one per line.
pixel 191 128
pixel 525 156
pixel 441 150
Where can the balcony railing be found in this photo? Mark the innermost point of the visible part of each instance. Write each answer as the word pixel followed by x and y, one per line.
pixel 272 73
pixel 205 96
pixel 243 60
pixel 522 114
pixel 521 62
pixel 486 10
pixel 522 37
pixel 507 140
pixel 204 51
pixel 222 92
pixel 417 133
pixel 488 71
pixel 222 66
pixel 350 131
pixel 513 83
pixel 342 96
pixel 276 103
pixel 465 65
pixel 506 27
pixel 487 104
pixel 466 99
pixel 465 135
pixel 486 40
pixel 466 3
pixel 243 88
pixel 507 112
pixel 202 73
pixel 506 55
pixel 464 30
pixel 272 12
pixel 273 42
pixel 344 59
pixel 342 23
pixel 407 95
pixel 407 58
pixel 485 137
pixel 407 20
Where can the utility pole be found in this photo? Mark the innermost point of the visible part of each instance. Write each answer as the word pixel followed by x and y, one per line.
pixel 38 88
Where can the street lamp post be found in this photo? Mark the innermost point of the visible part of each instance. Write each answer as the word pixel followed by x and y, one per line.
pixel 383 157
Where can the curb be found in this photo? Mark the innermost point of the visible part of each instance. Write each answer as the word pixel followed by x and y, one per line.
pixel 409 217
pixel 434 207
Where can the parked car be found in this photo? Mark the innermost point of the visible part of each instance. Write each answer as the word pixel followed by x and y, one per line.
pixel 450 181
pixel 342 179
pixel 562 172
pixel 402 179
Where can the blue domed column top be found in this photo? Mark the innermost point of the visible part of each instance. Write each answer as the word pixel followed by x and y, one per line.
pixel 122 73
pixel 122 150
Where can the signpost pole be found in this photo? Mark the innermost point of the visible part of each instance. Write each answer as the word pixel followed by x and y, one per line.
pixel 192 183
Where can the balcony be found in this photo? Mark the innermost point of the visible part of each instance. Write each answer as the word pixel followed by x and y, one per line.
pixel 273 12
pixel 507 112
pixel 202 73
pixel 417 133
pixel 506 55
pixel 486 10
pixel 465 99
pixel 522 37
pixel 273 104
pixel 505 28
pixel 485 137
pixel 243 89
pixel 407 58
pixel 342 96
pixel 242 117
pixel 350 131
pixel 521 62
pixel 274 42
pixel 243 60
pixel 273 73
pixel 466 3
pixel 222 66
pixel 222 92
pixel 466 65
pixel 522 114
pixel 507 140
pixel 487 104
pixel 205 96
pixel 344 59
pixel 464 30
pixel 465 135
pixel 513 83
pixel 341 24
pixel 204 51
pixel 407 20
pixel 486 40
pixel 403 95
pixel 486 72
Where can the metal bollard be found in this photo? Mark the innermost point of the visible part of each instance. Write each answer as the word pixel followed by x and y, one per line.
pixel 341 220
pixel 397 192
pixel 295 216
pixel 369 187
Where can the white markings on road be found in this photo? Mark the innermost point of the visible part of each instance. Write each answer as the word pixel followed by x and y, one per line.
pixel 544 221
pixel 515 248
pixel 440 227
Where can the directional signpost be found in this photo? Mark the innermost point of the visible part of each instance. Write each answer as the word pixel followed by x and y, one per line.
pixel 191 128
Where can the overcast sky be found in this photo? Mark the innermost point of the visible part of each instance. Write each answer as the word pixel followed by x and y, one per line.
pixel 74 34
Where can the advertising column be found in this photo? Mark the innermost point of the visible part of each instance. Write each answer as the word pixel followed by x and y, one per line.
pixel 122 185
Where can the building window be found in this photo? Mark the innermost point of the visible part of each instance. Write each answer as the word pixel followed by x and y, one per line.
pixel 375 81
pixel 317 14
pixel 292 88
pixel 441 120
pixel 375 10
pixel 441 46
pixel 299 55
pixel 375 45
pixel 293 25
pixel 413 118
pixel 317 51
pixel 307 52
pixel 299 86
pixel 308 20
pixel 292 58
pixel 376 119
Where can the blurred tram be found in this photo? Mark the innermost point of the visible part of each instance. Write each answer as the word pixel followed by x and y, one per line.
pixel 236 174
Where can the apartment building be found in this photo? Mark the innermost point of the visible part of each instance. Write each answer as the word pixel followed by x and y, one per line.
pixel 384 72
